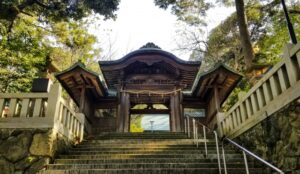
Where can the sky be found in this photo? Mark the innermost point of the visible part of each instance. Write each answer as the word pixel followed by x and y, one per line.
pixel 139 22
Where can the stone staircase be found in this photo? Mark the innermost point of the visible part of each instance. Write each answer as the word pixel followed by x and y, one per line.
pixel 145 153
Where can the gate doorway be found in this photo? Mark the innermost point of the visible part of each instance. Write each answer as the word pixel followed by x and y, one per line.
pixel 149 123
pixel 149 117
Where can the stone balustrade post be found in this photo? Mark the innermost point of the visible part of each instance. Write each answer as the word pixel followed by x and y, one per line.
pixel 53 101
pixel 81 119
pixel 220 117
pixel 290 67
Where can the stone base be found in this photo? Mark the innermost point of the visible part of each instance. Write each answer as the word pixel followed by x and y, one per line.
pixel 27 151
pixel 277 139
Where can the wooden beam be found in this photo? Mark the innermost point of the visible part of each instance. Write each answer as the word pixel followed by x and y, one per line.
pixel 106 103
pixel 202 86
pixel 211 81
pixel 149 111
pixel 84 86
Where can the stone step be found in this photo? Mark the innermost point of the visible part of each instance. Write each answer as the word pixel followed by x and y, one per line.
pixel 137 156
pixel 75 152
pixel 142 134
pixel 155 171
pixel 128 140
pixel 109 149
pixel 143 165
pixel 147 141
pixel 141 145
pixel 146 153
pixel 101 148
pixel 140 138
pixel 145 160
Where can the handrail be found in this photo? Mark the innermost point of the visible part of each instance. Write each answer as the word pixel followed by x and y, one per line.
pixel 244 150
pixel 206 127
pixel 195 137
pixel 253 155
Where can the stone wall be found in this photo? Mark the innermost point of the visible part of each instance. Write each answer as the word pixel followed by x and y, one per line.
pixel 277 139
pixel 26 151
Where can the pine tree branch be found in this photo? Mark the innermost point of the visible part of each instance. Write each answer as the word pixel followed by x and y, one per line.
pixel 294 11
pixel 42 4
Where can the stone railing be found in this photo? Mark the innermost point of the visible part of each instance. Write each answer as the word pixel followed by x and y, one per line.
pixel 41 110
pixel 276 89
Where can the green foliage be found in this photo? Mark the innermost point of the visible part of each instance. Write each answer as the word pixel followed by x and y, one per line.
pixel 192 12
pixel 243 86
pixel 224 42
pixel 277 36
pixel 269 35
pixel 75 43
pixel 32 31
pixel 135 123
pixel 56 10
pixel 22 56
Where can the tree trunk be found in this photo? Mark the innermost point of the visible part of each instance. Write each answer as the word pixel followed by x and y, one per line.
pixel 244 33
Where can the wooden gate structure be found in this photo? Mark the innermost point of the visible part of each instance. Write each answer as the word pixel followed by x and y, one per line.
pixel 148 76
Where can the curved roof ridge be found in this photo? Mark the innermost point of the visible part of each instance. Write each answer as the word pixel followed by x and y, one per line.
pixel 74 66
pixel 201 75
pixel 149 51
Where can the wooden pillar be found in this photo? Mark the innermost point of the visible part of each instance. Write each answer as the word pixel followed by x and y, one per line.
pixel 175 107
pixel 172 114
pixel 82 99
pixel 217 104
pixel 119 118
pixel 217 98
pixel 119 125
pixel 181 111
pixel 126 112
pixel 123 113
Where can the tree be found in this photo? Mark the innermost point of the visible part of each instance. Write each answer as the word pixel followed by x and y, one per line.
pixel 73 43
pixel 55 10
pixel 32 31
pixel 22 55
pixel 184 8
pixel 190 11
pixel 244 33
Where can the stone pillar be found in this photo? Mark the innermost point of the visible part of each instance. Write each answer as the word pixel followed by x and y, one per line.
pixel 53 101
pixel 81 118
pixel 220 118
